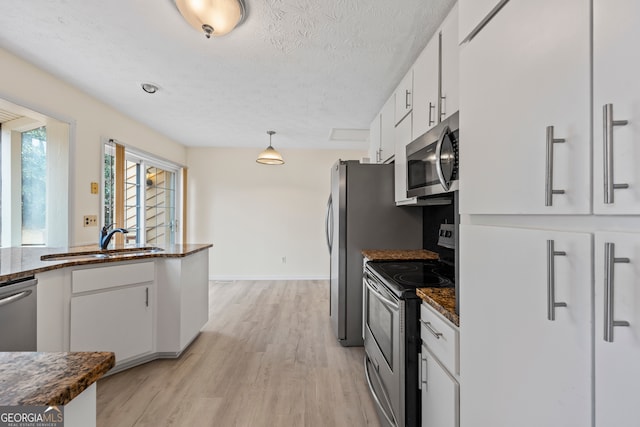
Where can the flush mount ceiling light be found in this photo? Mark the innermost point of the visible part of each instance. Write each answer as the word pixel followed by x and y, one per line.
pixel 213 17
pixel 149 87
pixel 270 156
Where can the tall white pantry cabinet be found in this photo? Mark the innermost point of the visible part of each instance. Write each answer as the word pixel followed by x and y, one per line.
pixel 550 213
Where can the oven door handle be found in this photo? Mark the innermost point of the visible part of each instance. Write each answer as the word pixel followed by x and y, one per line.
pixel 438 153
pixel 390 419
pixel 392 304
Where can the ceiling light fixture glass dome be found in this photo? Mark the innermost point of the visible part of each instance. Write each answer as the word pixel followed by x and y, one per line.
pixel 270 156
pixel 213 17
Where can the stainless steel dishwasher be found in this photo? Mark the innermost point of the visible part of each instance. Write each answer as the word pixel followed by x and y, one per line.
pixel 18 315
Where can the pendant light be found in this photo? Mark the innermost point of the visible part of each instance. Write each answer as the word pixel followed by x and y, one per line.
pixel 270 156
pixel 213 17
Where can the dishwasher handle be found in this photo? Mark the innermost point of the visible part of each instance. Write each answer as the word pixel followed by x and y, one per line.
pixel 15 297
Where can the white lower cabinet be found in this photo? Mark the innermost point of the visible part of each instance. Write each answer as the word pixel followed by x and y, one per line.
pixel 117 320
pixel 617 337
pixel 440 394
pixel 112 310
pixel 525 331
pixel 183 301
pixel 439 370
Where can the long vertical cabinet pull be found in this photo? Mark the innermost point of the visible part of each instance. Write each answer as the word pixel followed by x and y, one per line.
pixel 548 189
pixel 551 280
pixel 441 98
pixel 609 124
pixel 609 265
pixel 423 371
pixel 146 297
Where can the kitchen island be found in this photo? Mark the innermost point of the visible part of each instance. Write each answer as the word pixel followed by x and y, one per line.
pixel 141 303
pixel 54 379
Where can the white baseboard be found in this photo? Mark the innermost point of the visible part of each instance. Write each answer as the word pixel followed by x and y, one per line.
pixel 230 278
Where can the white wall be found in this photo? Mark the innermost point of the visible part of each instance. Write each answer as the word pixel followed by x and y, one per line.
pixel 91 121
pixel 256 214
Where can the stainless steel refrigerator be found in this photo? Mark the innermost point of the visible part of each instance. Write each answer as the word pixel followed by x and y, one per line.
pixel 361 214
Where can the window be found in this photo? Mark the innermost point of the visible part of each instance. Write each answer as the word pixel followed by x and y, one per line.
pixel 149 207
pixel 34 178
pixel 34 186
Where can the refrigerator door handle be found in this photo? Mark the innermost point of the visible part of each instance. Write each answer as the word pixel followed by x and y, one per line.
pixel 329 230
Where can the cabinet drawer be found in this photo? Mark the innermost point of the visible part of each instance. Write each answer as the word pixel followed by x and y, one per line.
pixel 92 279
pixel 441 337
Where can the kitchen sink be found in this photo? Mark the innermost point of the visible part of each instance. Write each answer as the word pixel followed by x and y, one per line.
pixel 110 253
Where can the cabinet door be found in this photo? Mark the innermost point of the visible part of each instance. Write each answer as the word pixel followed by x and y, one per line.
pixel 516 80
pixel 403 138
pixel 425 89
pixel 404 97
pixel 387 130
pixel 450 58
pixel 617 360
pixel 440 394
pixel 517 367
pixel 120 321
pixel 374 140
pixel 616 67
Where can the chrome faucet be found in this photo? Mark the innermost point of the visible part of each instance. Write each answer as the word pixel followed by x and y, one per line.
pixel 106 235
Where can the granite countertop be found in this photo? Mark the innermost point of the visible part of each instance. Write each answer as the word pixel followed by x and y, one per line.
pixel 49 379
pixel 20 262
pixel 443 300
pixel 398 254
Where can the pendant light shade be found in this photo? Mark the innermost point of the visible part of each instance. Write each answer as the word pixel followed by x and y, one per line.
pixel 270 156
pixel 213 17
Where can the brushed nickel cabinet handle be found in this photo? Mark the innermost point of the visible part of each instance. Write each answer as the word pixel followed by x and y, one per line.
pixel 551 280
pixel 430 329
pixel 609 262
pixel 548 188
pixel 431 108
pixel 407 104
pixel 608 124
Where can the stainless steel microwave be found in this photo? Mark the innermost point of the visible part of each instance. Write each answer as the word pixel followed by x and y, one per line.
pixel 432 160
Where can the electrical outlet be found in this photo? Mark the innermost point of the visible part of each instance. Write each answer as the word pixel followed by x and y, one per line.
pixel 90 220
pixel 94 188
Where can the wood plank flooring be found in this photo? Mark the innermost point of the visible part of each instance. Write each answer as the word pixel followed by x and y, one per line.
pixel 267 357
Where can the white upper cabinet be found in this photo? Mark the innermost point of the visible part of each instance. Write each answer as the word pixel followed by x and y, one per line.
pixel 617 336
pixel 525 102
pixel 425 89
pixel 436 77
pixel 387 130
pixel 374 140
pixel 449 64
pixel 616 82
pixel 404 97
pixel 525 331
pixel 473 14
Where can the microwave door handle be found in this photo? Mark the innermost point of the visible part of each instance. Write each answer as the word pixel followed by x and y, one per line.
pixel 438 153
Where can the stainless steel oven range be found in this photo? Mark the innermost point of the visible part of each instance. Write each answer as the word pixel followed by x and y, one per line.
pixel 392 334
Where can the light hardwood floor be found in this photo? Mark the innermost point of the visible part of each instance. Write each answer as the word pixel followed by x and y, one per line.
pixel 267 357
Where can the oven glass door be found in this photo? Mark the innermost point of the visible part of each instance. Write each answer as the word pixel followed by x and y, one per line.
pixel 380 322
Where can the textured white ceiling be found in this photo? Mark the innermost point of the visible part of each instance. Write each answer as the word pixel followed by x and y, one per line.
pixel 299 67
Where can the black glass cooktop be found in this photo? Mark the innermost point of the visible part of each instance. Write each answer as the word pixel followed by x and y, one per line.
pixel 406 276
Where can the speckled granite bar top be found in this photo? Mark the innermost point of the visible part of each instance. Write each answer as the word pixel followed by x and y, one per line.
pixel 443 300
pixel 398 254
pixel 26 261
pixel 33 378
